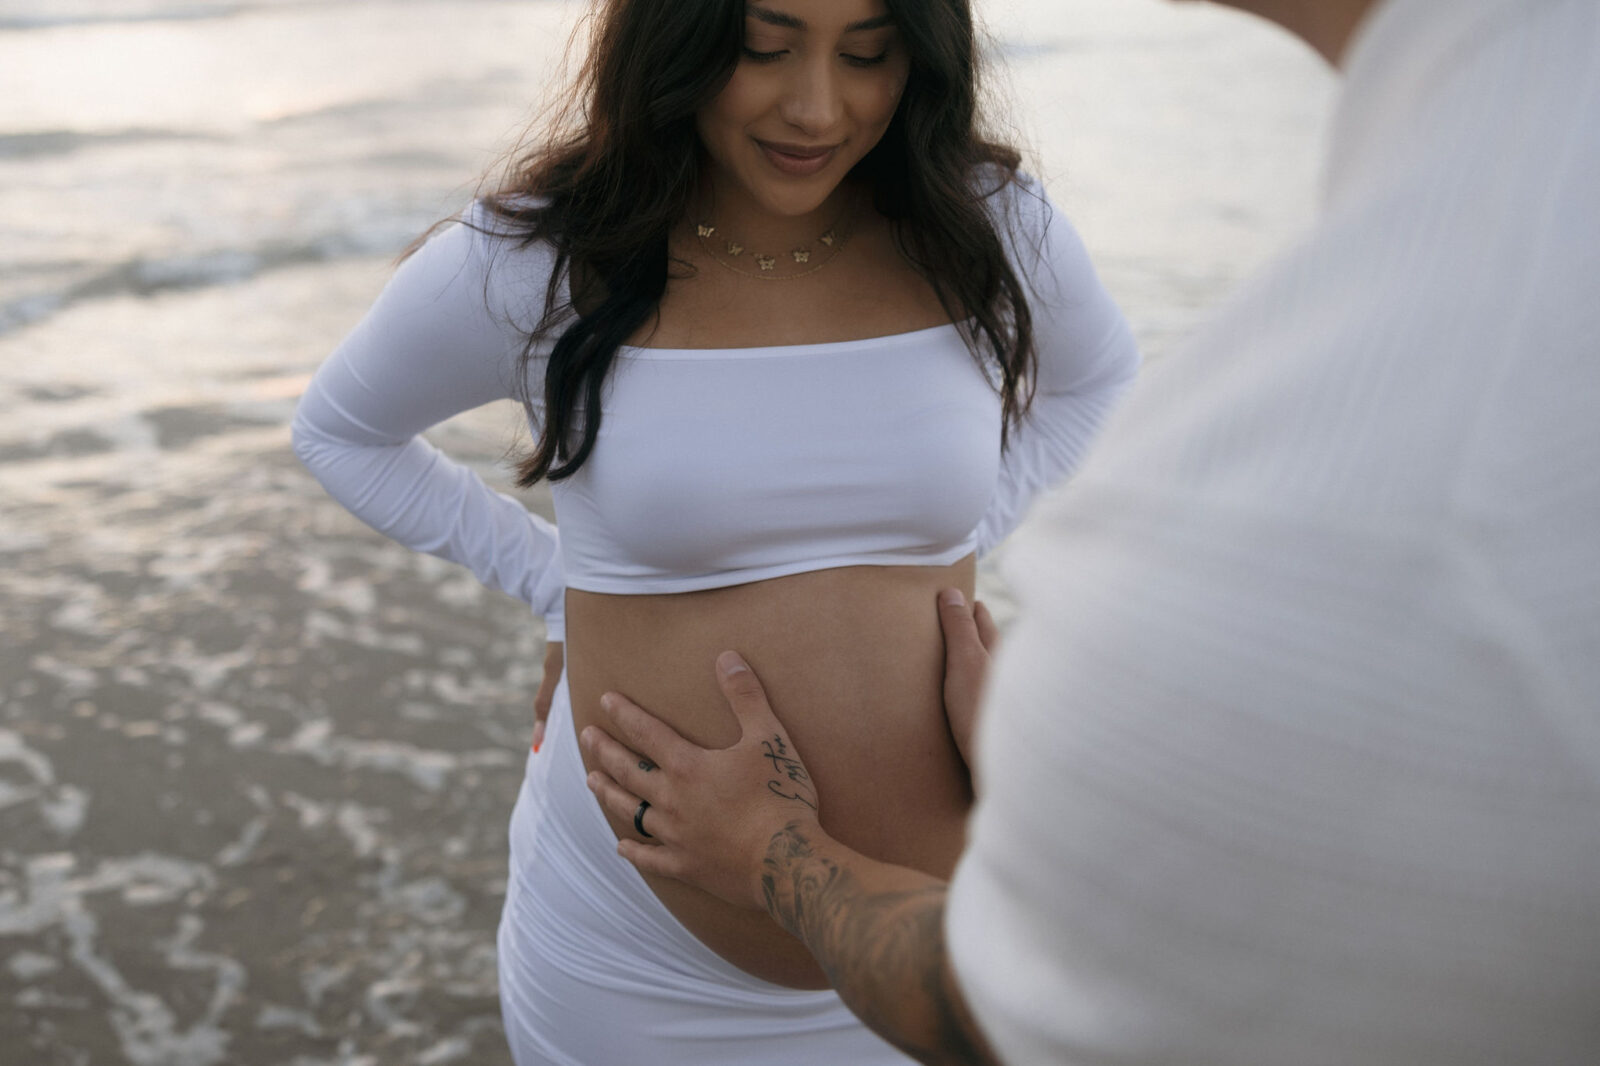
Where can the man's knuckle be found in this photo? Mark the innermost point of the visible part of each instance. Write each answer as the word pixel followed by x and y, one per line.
pixel 744 683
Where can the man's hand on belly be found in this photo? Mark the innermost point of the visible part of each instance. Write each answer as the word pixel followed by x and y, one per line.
pixel 712 812
pixel 741 823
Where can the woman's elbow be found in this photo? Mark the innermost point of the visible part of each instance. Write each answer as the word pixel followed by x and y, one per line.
pixel 310 444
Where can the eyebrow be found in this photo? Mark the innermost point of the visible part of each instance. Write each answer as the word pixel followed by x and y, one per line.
pixel 793 22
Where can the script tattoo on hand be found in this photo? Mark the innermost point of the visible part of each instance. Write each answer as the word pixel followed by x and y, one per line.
pixel 646 765
pixel 790 770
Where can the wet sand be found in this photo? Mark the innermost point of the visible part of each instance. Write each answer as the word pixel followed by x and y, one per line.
pixel 255 761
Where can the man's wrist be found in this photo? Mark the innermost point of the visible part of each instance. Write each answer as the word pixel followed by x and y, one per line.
pixel 791 857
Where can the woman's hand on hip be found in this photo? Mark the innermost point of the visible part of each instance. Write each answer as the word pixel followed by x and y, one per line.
pixel 554 660
pixel 970 638
pixel 711 814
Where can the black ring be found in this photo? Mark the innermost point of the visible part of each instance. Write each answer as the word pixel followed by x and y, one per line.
pixel 638 818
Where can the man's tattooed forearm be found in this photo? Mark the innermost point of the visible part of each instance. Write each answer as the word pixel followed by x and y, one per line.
pixel 883 951
pixel 795 783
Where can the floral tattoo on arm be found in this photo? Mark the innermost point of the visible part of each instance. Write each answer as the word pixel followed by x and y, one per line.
pixel 883 950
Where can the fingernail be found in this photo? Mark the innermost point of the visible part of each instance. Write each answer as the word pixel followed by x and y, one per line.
pixel 593 781
pixel 538 736
pixel 952 598
pixel 730 663
pixel 608 702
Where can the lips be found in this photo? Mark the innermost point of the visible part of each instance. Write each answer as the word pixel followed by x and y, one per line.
pixel 798 159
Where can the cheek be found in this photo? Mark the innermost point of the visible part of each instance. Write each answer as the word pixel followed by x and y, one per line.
pixel 738 102
pixel 879 107
pixel 718 124
pixel 892 88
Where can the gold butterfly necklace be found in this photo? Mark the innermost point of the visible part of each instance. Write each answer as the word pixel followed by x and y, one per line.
pixel 726 252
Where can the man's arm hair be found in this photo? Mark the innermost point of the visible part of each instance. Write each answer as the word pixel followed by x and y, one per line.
pixel 877 930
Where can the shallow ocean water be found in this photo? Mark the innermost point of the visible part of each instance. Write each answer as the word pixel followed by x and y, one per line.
pixel 256 762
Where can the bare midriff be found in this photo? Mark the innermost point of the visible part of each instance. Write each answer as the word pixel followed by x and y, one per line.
pixel 852 660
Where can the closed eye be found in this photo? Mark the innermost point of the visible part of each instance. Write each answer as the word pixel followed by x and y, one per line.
pixel 856 61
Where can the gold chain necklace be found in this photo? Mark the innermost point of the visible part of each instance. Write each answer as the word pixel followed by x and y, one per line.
pixel 732 251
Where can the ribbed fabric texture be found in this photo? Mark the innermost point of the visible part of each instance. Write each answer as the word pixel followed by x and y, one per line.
pixel 1294 754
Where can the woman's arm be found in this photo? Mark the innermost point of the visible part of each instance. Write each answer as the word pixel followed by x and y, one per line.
pixel 442 338
pixel 1087 358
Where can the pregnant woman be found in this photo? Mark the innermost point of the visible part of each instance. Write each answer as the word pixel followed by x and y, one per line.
pixel 796 345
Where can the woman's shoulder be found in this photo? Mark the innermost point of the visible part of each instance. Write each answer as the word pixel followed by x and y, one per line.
pixel 1006 189
pixel 512 267
pixel 1026 220
pixel 503 225
pixel 1017 203
pixel 505 214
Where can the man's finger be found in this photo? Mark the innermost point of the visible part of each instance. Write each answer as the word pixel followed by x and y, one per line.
pixel 988 632
pixel 619 801
pixel 743 690
pixel 626 767
pixel 641 730
pixel 649 858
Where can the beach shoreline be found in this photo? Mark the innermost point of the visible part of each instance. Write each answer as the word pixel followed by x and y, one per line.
pixel 256 761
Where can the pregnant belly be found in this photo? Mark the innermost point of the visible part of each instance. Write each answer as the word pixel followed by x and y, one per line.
pixel 852 661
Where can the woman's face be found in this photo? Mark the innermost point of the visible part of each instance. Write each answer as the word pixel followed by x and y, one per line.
pixel 814 90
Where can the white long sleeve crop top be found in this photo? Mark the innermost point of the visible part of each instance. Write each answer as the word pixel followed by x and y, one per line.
pixel 713 467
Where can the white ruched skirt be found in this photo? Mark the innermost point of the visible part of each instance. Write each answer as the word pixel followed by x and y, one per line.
pixel 595 971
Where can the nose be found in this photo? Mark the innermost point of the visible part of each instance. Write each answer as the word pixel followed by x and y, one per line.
pixel 813 102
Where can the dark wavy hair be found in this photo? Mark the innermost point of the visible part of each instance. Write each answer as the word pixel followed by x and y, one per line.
pixel 606 189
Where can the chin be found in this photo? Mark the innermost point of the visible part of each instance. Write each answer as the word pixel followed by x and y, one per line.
pixel 797 205
pixel 799 198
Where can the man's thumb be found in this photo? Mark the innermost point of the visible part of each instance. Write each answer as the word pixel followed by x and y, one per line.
pixel 741 686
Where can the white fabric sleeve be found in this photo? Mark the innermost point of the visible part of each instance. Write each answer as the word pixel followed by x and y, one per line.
pixel 1263 789
pixel 438 341
pixel 1087 358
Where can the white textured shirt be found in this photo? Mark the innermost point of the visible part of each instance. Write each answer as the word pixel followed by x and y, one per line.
pixel 1293 756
